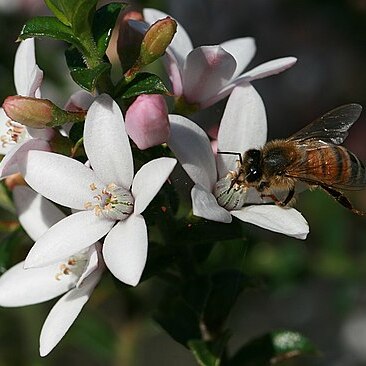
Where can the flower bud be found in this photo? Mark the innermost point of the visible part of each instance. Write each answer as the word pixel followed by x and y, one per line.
pixel 157 39
pixel 147 121
pixel 38 113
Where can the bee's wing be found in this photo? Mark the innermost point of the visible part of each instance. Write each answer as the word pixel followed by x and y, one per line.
pixel 332 127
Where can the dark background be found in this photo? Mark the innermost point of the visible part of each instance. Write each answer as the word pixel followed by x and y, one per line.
pixel 318 286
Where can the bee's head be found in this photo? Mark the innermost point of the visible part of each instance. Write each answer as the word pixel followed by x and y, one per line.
pixel 252 165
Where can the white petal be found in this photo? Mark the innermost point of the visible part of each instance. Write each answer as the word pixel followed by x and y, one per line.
pixel 20 287
pixel 95 262
pixel 269 68
pixel 243 50
pixel 64 313
pixel 106 143
pixel 67 237
pixel 206 71
pixel 280 220
pixel 125 249
pixel 259 72
pixel 27 75
pixel 61 179
pixel 205 205
pixel 10 163
pixel 174 72
pixel 243 126
pixel 192 148
pixel 181 44
pixel 35 213
pixel 148 181
pixel 45 133
pixel 80 100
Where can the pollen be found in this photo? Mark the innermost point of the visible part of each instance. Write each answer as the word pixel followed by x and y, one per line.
pixel 73 266
pixel 14 134
pixel 230 194
pixel 93 187
pixel 112 202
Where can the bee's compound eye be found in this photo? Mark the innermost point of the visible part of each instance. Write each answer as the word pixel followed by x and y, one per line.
pixel 253 175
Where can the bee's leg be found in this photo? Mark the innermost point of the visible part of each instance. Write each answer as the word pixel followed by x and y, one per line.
pixel 273 198
pixel 278 202
pixel 289 197
pixel 343 200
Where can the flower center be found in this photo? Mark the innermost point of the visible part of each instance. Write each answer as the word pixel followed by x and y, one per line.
pixel 228 195
pixel 74 266
pixel 113 202
pixel 14 134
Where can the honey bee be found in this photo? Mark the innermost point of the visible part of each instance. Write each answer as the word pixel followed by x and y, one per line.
pixel 312 155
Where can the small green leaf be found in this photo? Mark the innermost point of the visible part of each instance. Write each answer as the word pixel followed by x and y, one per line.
pixel 144 83
pixel 49 27
pixel 82 16
pixel 209 353
pixel 103 23
pixel 76 14
pixel 88 78
pixel 57 9
pixel 273 348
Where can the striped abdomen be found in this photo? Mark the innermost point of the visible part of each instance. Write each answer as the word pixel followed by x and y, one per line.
pixel 335 166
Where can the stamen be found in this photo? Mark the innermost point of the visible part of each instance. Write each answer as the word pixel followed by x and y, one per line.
pixel 112 202
pixel 73 266
pixel 13 134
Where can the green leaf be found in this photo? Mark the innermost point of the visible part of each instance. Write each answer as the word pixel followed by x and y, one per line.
pixel 103 23
pixel 209 353
pixel 82 12
pixel 273 348
pixel 144 83
pixel 76 14
pixel 57 9
pixel 88 78
pixel 49 27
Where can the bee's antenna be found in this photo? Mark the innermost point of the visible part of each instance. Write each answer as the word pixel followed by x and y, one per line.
pixel 232 153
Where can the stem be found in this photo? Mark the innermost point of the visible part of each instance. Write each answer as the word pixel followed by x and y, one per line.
pixel 76 147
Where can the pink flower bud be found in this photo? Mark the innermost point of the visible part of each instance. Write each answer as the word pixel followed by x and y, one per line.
pixel 38 113
pixel 147 121
pixel 28 111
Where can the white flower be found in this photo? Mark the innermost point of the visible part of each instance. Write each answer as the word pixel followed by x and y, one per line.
pixel 207 74
pixel 75 276
pixel 242 127
pixel 13 135
pixel 15 138
pixel 107 195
